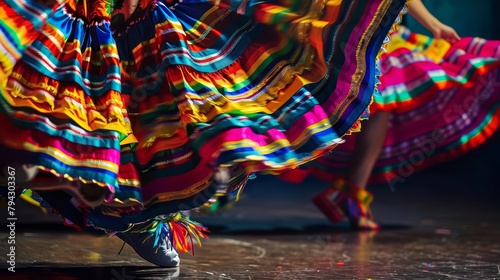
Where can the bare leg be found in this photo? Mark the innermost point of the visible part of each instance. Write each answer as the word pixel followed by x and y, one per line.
pixel 368 145
pixel 354 200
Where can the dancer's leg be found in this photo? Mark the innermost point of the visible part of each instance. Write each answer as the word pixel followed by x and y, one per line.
pixel 368 145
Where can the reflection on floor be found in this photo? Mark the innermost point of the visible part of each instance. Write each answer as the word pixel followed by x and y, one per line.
pixel 440 224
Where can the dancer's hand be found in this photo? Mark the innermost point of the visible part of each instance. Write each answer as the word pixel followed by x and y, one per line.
pixel 440 30
pixel 443 31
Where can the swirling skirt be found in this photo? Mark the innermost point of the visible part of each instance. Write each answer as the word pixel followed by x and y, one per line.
pixel 150 106
pixel 444 100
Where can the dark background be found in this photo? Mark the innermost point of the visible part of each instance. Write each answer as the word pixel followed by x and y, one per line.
pixel 470 18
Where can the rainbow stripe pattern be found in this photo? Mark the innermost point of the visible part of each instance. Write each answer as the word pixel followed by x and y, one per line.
pixel 444 101
pixel 149 106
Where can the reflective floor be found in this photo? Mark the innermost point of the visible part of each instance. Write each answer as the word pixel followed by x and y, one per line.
pixel 440 224
pixel 390 254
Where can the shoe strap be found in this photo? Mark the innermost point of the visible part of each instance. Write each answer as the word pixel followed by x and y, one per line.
pixel 361 196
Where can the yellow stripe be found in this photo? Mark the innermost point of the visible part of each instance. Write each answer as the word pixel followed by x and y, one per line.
pixel 33 202
pixel 267 149
pixel 360 60
pixel 311 130
pixel 61 156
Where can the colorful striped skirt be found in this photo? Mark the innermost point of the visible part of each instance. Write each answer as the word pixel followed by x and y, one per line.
pixel 148 104
pixel 444 100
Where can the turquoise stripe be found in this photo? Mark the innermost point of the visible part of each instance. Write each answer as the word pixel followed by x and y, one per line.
pixel 74 31
pixel 36 20
pixel 100 175
pixel 101 138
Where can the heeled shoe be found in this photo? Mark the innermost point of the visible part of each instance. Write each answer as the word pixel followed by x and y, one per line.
pixel 345 200
pixel 163 255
